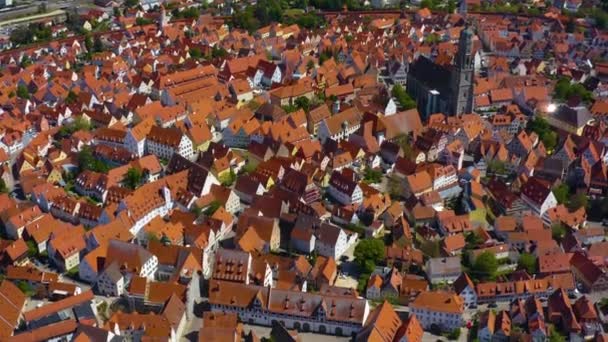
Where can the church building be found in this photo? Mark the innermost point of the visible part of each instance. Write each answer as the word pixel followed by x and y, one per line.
pixel 444 89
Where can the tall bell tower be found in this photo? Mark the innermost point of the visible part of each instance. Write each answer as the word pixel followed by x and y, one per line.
pixel 462 75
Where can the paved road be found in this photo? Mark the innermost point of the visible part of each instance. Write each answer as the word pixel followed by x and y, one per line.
pixel 32 8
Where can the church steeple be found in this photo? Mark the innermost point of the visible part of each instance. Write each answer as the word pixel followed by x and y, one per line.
pixel 464 57
pixel 462 74
pixel 163 19
pixel 462 8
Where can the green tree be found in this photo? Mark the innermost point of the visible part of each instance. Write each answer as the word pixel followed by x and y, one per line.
pixel 87 161
pixel 561 88
pixel 196 53
pixel 32 248
pixel 432 38
pixel 302 103
pixel 141 21
pixel 25 61
pixel 497 166
pixel 451 6
pixel 23 92
pixel 152 237
pixel 133 178
pixel 324 56
pixel 212 208
pixel 26 288
pixel 20 35
pixel 603 304
pixel 527 262
pixel 431 248
pixel 218 52
pixel 564 89
pixel 405 143
pixel 71 97
pixel 79 124
pixel 102 308
pixel 88 42
pixel 561 193
pixel 395 189
pixel 601 19
pixel 426 4
pixel 228 179
pixel 245 19
pixel 549 140
pixel 485 266
pixel 189 13
pixel 555 336
pixel 558 231
pixel 98 44
pixel 404 99
pixel 577 201
pixel 131 3
pixel 454 335
pixel 372 176
pixel 472 240
pixel 547 135
pixel 368 253
pixel 35 32
pixel 42 8
pixel 290 108
pixel 268 11
pixel 310 65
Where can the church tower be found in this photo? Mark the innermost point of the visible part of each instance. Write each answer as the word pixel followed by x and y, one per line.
pixel 163 19
pixel 462 75
pixel 462 8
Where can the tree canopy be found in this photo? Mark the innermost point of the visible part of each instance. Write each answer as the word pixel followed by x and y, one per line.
pixel 189 13
pixel 558 231
pixel 404 99
pixel 35 32
pixel 87 161
pixel 577 201
pixel 79 124
pixel 547 135
pixel 372 176
pixel 561 193
pixel 133 178
pixel 527 262
pixel 565 90
pixel 23 92
pixel 368 253
pixel 265 12
pixel 3 187
pixel 212 208
pixel 485 266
